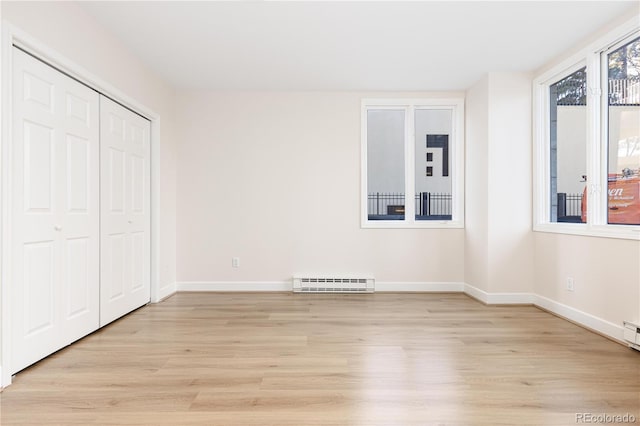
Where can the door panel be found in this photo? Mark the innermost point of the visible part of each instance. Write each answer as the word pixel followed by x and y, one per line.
pixel 54 211
pixel 78 256
pixel 39 284
pixel 38 167
pixel 77 174
pixel 38 89
pixel 116 179
pixel 125 213
pixel 113 272
pixel 78 108
pixel 138 183
pixel 138 259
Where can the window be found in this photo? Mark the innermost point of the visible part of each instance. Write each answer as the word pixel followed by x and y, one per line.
pixel 623 136
pixel 587 136
pixel 567 146
pixel 412 147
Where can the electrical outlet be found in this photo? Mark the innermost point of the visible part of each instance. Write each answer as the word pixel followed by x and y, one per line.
pixel 570 284
pixel 235 262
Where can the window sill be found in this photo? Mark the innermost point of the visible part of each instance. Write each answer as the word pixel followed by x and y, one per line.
pixel 581 229
pixel 398 224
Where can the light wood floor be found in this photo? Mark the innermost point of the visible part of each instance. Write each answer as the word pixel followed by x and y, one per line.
pixel 285 359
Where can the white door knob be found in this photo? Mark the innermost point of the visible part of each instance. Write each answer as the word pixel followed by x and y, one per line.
pixel 57 228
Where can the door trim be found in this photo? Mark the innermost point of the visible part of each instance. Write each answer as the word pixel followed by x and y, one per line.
pixel 11 35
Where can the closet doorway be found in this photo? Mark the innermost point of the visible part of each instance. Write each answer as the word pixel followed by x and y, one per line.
pixel 80 210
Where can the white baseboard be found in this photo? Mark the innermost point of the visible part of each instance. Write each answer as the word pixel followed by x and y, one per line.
pixel 234 286
pixel 390 286
pixel 499 298
pixel 166 291
pixel 476 293
pixel 579 317
pixel 587 320
pixel 287 286
pixel 5 378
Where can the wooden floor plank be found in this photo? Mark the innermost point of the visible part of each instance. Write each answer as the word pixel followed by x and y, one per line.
pixel 291 359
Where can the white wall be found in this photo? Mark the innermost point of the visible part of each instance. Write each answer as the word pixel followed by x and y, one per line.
pixel 606 273
pixel 476 267
pixel 606 270
pixel 498 240
pixel 65 28
pixel 510 158
pixel 274 178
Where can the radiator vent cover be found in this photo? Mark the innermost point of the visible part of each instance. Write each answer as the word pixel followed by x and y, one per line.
pixel 632 335
pixel 327 284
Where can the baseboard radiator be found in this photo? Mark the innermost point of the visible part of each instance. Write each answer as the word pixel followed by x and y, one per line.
pixel 328 284
pixel 632 335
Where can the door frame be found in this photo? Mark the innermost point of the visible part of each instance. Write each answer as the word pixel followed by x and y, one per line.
pixel 11 35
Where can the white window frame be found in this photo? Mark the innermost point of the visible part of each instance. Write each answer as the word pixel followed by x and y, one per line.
pixel 596 143
pixel 456 152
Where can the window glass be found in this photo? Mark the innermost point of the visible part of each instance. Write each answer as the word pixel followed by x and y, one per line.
pixel 587 140
pixel 433 177
pixel 567 138
pixel 623 111
pixel 412 173
pixel 385 164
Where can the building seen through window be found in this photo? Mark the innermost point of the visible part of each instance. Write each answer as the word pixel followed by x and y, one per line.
pixel 386 133
pixel 623 125
pixel 568 190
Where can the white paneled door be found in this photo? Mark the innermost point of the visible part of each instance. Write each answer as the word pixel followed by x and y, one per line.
pixel 54 210
pixel 125 248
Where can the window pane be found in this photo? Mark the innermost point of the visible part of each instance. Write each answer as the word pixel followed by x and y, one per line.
pixel 385 164
pixel 433 164
pixel 568 133
pixel 624 134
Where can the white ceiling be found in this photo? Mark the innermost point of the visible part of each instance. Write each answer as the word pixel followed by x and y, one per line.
pixel 431 45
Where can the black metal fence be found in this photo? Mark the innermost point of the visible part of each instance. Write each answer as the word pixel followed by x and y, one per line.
pixel 624 91
pixel 426 204
pixel 569 205
pixel 573 90
pixel 439 204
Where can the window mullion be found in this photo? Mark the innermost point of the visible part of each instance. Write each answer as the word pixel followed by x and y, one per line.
pixel 546 157
pixel 542 155
pixel 595 161
pixel 457 187
pixel 410 165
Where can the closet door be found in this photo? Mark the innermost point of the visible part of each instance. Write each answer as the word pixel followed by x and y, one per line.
pixel 125 228
pixel 54 211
